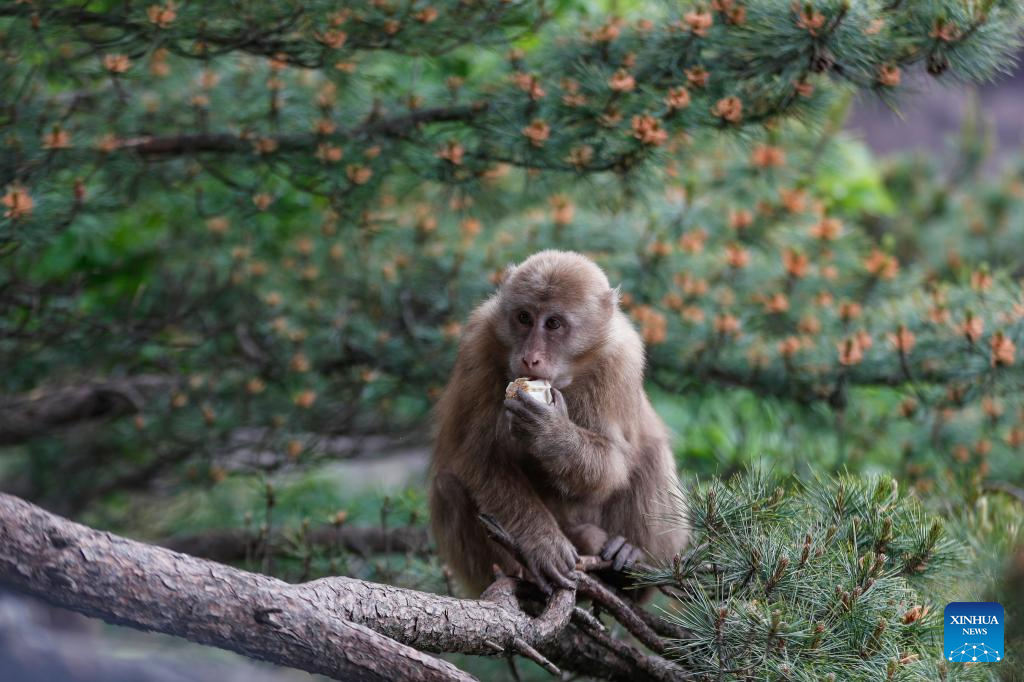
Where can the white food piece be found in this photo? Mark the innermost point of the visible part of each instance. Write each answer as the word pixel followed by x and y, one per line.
pixel 538 389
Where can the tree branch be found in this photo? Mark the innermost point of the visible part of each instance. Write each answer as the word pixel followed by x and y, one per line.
pixel 129 583
pixel 623 612
pixel 43 644
pixel 38 413
pixel 230 143
pixel 340 627
pixel 641 664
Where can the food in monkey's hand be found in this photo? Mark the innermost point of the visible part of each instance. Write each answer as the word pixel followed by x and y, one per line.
pixel 538 389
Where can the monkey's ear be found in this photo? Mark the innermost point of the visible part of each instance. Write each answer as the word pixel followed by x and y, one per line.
pixel 614 295
pixel 506 274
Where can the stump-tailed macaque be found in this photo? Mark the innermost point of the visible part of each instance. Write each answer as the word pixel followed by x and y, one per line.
pixel 591 473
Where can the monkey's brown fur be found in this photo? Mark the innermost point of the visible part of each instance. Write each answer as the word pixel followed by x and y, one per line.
pixel 560 482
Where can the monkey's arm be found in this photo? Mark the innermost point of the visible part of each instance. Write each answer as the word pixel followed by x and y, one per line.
pixel 504 492
pixel 583 464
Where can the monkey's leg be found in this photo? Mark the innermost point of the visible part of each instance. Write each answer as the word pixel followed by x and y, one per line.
pixel 594 540
pixel 620 553
pixel 588 538
pixel 462 541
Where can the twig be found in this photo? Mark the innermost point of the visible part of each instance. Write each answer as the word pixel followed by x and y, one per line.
pixel 624 613
pixel 268 554
pixel 231 143
pixel 587 621
pixel 655 666
pixel 514 669
pixel 524 649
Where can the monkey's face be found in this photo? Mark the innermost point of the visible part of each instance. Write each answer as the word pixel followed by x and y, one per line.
pixel 542 343
pixel 555 308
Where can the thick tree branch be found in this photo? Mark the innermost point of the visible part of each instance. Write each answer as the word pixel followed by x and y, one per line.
pixel 42 644
pixel 341 627
pixel 150 588
pixel 275 37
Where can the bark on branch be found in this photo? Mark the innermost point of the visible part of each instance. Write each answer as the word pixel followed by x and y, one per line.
pixel 340 627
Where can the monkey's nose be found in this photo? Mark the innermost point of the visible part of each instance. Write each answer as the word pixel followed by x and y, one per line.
pixel 530 363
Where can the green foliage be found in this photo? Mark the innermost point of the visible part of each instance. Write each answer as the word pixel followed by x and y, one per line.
pixel 288 209
pixel 295 223
pixel 840 578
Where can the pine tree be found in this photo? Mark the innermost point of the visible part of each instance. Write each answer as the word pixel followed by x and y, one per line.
pixel 268 220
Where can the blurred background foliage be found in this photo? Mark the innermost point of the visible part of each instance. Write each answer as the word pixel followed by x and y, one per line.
pixel 238 242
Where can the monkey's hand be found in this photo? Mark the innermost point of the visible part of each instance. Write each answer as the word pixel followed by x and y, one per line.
pixel 551 558
pixel 620 553
pixel 530 420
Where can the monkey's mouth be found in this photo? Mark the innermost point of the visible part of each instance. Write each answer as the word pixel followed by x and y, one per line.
pixel 534 377
pixel 560 382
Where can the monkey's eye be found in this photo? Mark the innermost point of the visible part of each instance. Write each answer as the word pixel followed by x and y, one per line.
pixel 553 323
pixel 524 317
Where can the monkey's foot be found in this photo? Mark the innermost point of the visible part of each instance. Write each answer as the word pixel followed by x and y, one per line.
pixel 620 553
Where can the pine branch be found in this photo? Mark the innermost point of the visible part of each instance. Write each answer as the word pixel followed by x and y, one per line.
pixel 802 578
pixel 225 143
pixel 274 32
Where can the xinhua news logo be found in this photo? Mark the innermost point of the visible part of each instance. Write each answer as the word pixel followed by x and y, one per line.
pixel 972 632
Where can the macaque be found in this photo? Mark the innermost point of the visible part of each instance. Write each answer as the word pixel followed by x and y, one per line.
pixel 591 473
